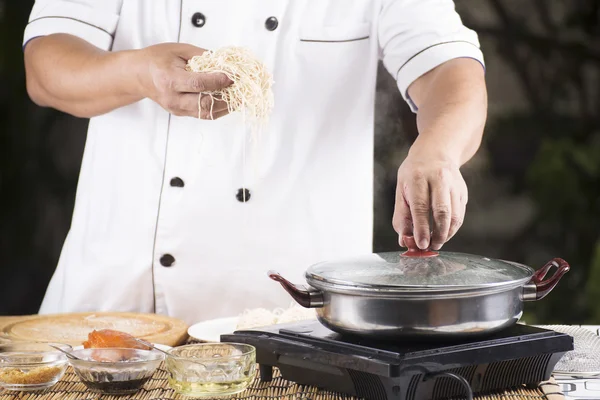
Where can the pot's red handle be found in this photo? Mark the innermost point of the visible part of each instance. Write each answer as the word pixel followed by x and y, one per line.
pixel 541 273
pixel 304 297
pixel 543 287
pixel 414 250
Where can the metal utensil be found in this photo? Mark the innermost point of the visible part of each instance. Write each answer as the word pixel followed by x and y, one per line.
pixel 421 293
pixel 145 343
pixel 71 356
pixel 584 361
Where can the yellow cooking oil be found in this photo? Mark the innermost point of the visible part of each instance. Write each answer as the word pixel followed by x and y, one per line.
pixel 208 389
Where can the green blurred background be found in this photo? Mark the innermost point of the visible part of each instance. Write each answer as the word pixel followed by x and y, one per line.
pixel 534 185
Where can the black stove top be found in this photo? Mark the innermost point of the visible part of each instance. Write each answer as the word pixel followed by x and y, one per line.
pixel 310 354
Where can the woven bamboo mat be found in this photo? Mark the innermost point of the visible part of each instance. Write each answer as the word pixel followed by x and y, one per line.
pixel 70 388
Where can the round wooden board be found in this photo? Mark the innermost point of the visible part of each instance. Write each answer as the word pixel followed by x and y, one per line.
pixel 73 328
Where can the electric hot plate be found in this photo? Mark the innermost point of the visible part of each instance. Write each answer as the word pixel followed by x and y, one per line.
pixel 310 354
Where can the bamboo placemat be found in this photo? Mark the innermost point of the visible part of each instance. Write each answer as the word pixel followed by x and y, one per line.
pixel 70 388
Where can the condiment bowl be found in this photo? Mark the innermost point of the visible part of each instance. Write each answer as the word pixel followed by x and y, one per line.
pixel 211 369
pixel 27 366
pixel 115 371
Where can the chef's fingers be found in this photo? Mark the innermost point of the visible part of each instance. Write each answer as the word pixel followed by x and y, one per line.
pixel 187 51
pixel 459 208
pixel 197 82
pixel 441 207
pixel 183 105
pixel 401 221
pixel 186 104
pixel 417 195
pixel 215 115
pixel 209 106
pixel 219 114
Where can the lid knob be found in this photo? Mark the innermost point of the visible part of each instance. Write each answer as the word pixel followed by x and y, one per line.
pixel 414 250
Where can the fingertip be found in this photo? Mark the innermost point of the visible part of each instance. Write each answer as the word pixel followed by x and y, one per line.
pixel 401 241
pixel 437 241
pixel 225 80
pixel 423 243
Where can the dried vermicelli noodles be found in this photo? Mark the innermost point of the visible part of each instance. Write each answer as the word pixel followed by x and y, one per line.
pixel 261 317
pixel 250 93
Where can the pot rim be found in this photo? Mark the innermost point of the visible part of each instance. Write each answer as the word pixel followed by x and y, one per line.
pixel 339 286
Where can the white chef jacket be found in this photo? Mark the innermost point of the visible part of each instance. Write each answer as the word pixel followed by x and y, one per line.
pixel 158 225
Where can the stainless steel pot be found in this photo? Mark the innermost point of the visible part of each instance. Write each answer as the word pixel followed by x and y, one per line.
pixel 421 293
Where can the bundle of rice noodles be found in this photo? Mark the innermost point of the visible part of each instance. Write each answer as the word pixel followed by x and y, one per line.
pixel 295 313
pixel 250 92
pixel 256 318
pixel 261 317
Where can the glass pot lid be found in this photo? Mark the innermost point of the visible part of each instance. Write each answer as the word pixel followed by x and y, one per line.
pixel 417 270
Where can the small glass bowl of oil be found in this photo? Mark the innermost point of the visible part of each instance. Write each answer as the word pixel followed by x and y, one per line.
pixel 211 369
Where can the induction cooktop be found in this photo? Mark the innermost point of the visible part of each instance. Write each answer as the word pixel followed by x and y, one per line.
pixel 310 354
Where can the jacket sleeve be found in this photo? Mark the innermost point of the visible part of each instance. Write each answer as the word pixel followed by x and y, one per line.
pixel 416 36
pixel 92 20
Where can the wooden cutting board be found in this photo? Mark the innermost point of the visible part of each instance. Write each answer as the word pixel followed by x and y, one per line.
pixel 73 328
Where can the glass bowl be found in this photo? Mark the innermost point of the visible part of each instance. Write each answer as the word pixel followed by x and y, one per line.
pixel 115 371
pixel 211 369
pixel 27 366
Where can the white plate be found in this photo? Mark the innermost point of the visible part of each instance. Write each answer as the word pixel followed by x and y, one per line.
pixel 162 347
pixel 211 331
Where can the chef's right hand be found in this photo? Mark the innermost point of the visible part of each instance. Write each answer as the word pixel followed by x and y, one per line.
pixel 164 79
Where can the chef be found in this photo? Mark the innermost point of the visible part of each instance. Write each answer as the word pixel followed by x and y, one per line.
pixel 180 214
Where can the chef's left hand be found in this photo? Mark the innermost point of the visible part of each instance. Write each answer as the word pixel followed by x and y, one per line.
pixel 429 184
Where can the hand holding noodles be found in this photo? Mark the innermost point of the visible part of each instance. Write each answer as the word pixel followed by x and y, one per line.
pixel 250 92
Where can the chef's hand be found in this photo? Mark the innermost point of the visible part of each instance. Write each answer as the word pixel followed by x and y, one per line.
pixel 429 185
pixel 166 81
pixel 451 100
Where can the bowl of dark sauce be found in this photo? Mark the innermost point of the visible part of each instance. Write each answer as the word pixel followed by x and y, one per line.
pixel 115 371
